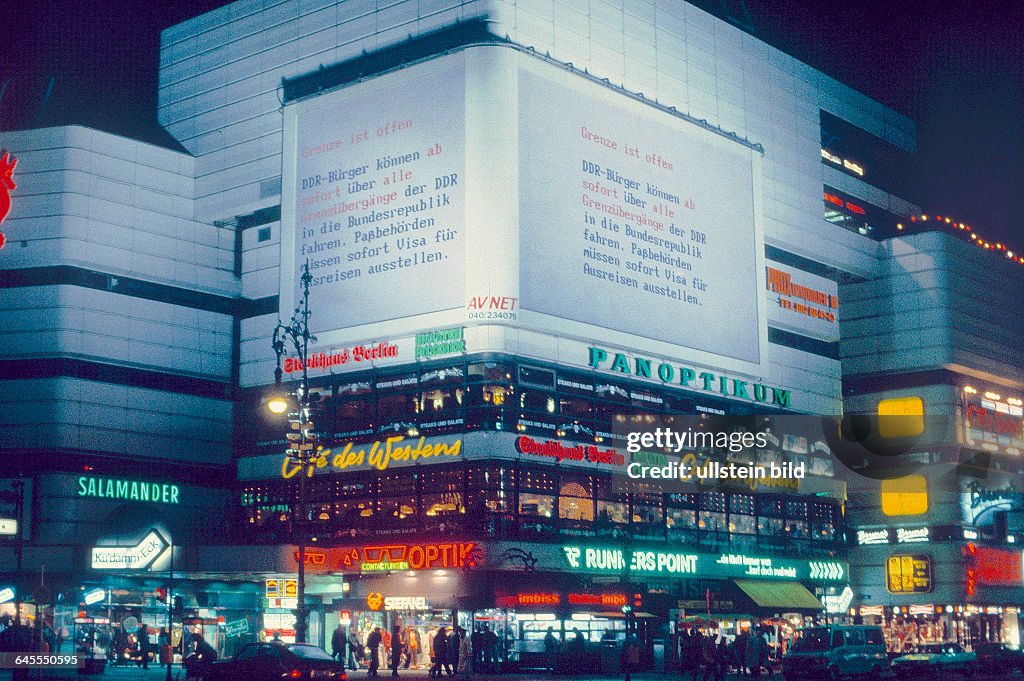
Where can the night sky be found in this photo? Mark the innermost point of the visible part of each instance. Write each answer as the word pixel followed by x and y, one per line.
pixel 956 67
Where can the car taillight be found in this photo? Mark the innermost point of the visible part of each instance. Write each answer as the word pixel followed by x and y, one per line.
pixel 295 674
pixel 342 676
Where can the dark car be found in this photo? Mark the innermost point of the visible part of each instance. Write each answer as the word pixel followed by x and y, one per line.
pixel 277 661
pixel 933 659
pixel 999 658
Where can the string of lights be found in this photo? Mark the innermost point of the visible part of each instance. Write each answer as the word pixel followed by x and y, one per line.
pixel 965 230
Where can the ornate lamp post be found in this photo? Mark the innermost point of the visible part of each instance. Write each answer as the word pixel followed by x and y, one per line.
pixel 295 337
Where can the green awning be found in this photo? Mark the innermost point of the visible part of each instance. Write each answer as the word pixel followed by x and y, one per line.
pixel 779 595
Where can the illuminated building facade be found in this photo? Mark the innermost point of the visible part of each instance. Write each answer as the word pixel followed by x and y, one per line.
pixel 529 227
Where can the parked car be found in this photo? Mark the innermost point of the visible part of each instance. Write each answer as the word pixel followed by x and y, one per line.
pixel 998 658
pixel 276 661
pixel 836 652
pixel 931 659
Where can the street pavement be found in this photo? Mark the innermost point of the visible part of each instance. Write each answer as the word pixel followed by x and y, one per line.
pixel 160 674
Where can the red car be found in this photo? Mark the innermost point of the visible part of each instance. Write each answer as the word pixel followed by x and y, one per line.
pixel 277 661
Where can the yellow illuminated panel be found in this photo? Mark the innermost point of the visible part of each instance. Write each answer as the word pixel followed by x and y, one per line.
pixel 901 417
pixel 905 496
pixel 909 574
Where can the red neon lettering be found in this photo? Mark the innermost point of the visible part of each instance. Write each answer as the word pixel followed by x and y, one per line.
pixel 7 163
pixel 417 557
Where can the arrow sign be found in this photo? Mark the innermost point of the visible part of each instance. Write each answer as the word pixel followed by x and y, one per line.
pixel 138 557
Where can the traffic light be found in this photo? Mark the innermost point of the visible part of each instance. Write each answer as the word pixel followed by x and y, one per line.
pixel 179 606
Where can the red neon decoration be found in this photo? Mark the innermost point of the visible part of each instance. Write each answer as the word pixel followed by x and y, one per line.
pixel 386 557
pixel 986 565
pixel 611 600
pixel 557 451
pixel 7 163
pixel 520 599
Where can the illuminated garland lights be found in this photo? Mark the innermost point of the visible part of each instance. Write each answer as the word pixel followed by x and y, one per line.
pixel 964 227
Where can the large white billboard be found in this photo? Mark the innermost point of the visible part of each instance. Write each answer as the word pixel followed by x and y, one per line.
pixel 635 221
pixel 373 199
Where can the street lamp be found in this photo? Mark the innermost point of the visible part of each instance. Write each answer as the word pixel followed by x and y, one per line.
pixel 301 444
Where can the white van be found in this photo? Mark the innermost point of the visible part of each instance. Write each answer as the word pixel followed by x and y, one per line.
pixel 835 652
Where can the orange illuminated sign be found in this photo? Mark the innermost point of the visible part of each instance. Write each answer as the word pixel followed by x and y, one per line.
pixel 905 496
pixel 374 600
pixel 396 557
pixel 782 283
pixel 901 417
pixel 527 599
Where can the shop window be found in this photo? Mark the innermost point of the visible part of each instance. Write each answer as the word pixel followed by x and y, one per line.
pixel 612 512
pixel 569 383
pixel 575 407
pixel 575 503
pixel 796 510
pixel 742 504
pixel 532 480
pixel 440 401
pixel 710 521
pixel 742 524
pixel 531 504
pixel 770 505
pixel 797 529
pixel 393 484
pixel 445 503
pixel 712 501
pixel 771 527
pixel 648 514
pixel 398 510
pixel 396 412
pixel 490 371
pixel 537 401
pixel 682 524
pixel 541 378
pixel 352 417
pixel 490 501
pixel 490 476
pixel 688 500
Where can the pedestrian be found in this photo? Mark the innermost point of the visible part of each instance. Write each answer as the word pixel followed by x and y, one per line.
pixel 162 643
pixel 477 642
pixel 756 651
pixel 696 654
pixel 440 651
pixel 143 637
pixel 709 657
pixel 338 642
pixel 373 643
pixel 739 652
pixel 412 639
pixel 355 650
pixel 551 649
pixel 396 650
pixel 721 659
pixel 453 649
pixel 629 658
pixel 489 640
pixel 465 668
pixel 577 649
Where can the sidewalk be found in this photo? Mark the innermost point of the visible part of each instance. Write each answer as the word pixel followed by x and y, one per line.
pixel 160 674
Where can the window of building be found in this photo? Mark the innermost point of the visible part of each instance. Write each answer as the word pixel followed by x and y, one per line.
pixel 575 499
pixel 533 504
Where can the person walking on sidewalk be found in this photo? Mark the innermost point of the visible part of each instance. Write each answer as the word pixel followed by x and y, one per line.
pixel 396 650
pixel 373 643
